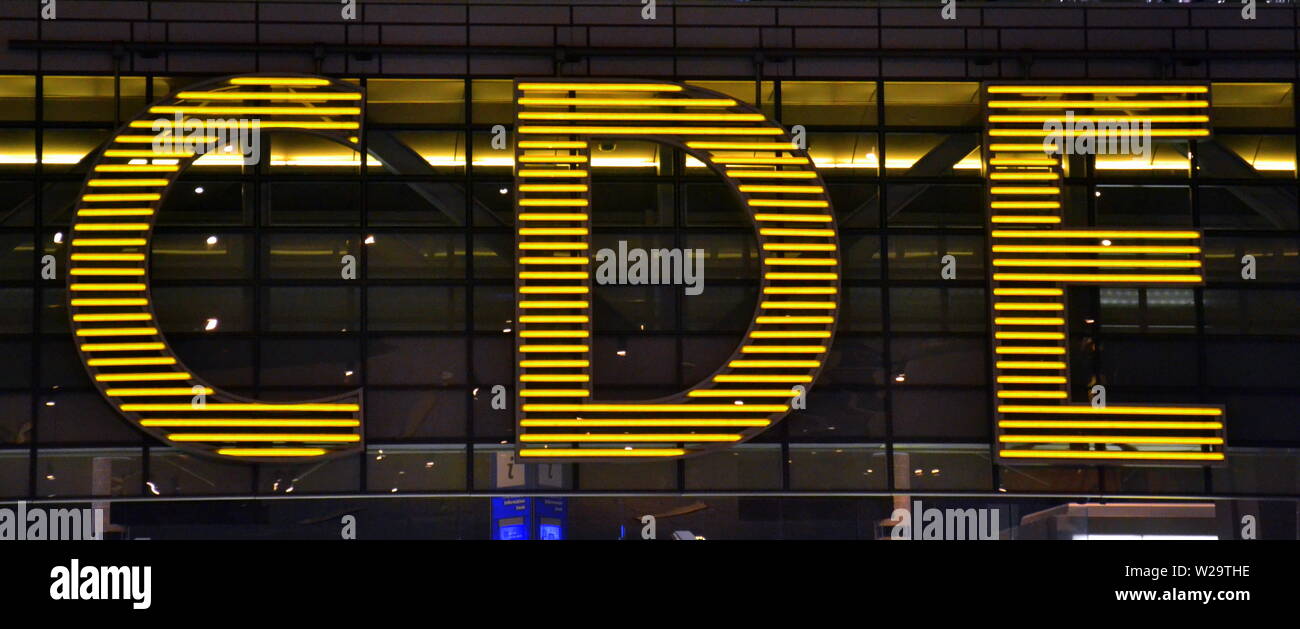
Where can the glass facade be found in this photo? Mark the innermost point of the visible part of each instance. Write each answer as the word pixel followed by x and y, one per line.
pixel 246 275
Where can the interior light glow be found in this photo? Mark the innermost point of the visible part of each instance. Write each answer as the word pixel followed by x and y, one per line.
pixel 596 130
pixel 1110 454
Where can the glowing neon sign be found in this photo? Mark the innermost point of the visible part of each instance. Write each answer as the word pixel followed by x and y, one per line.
pixel 1035 257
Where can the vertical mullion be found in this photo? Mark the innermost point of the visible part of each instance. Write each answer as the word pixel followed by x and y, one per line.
pixel 471 377
pixel 363 260
pixel 38 290
pixel 882 226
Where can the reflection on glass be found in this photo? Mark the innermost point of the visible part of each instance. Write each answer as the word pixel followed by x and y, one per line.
pixel 204 309
pixel 1143 205
pixel 71 473
pixel 942 467
pixel 416 203
pixel 395 469
pixel 833 466
pixel 175 473
pixel 1158 310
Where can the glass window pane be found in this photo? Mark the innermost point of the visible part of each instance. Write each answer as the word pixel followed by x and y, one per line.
pixel 927 103
pixel 310 256
pixel 201 256
pixel 494 101
pixel 416 308
pixel 408 255
pixel 405 101
pixel 410 360
pixel 816 103
pixel 311 309
pixel 1144 206
pixel 405 468
pixel 80 98
pixel 176 473
pixel 917 257
pixel 632 204
pixel 743 467
pixel 310 362
pixel 15 418
pixel 942 467
pixel 300 153
pixel 1163 158
pixel 204 309
pixel 1253 104
pixel 932 155
pixel 844 154
pixel 16 259
pixel 63 149
pixel 1249 207
pixel 650 475
pixel 17 98
pixel 933 413
pixel 425 152
pixel 939 361
pixel 1155 310
pixel 931 205
pixel 828 467
pixel 937 309
pixel 416 203
pixel 17 153
pixel 1276 259
pixel 494 203
pixel 74 473
pixel 1258 311
pixel 315 203
pixel 336 475
pixel 195 201
pixel 855 205
pixel 14 473
pixel 622 158
pixel 746 92
pixel 1247 156
pixel 713 204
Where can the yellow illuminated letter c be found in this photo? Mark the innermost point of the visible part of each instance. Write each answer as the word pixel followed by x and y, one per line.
pixel 109 300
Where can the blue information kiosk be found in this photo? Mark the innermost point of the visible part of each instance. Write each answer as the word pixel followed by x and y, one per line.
pixel 524 517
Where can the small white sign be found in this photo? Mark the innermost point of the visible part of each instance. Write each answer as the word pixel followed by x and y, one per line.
pixel 509 473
